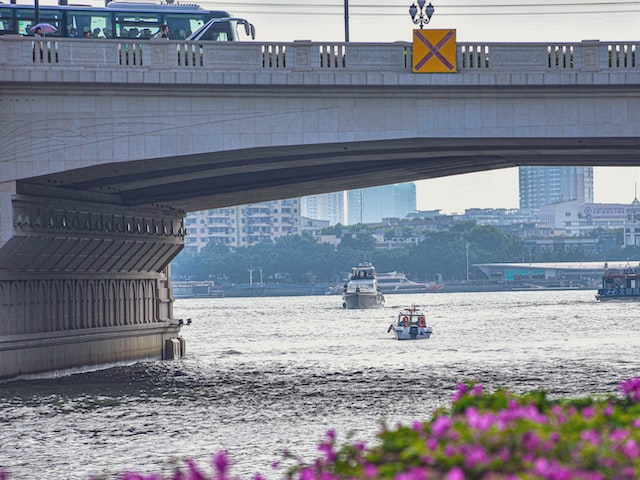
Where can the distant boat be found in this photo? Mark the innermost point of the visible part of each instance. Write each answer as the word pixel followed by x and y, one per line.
pixel 396 282
pixel 362 290
pixel 411 324
pixel 620 284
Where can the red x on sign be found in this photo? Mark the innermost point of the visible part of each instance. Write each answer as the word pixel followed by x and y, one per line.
pixel 434 51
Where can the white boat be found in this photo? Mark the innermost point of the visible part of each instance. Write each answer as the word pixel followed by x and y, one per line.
pixel 411 324
pixel 361 290
pixel 396 282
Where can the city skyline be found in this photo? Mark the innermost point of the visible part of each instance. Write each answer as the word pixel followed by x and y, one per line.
pixel 478 190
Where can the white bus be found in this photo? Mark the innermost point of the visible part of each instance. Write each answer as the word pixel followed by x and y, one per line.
pixel 123 20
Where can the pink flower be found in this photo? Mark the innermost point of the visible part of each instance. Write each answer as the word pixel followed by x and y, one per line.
pixel 459 393
pixel 440 426
pixel 474 455
pixel 479 421
pixel 631 388
pixel 455 474
pixel 477 390
pixel 370 471
pixel 590 436
pixel 306 474
pixel 194 472
pixel 221 464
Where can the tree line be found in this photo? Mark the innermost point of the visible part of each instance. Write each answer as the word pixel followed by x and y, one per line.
pixel 440 255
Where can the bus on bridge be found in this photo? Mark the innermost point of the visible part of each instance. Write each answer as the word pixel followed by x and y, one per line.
pixel 123 20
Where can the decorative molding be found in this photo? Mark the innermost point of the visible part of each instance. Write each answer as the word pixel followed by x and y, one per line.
pixel 30 216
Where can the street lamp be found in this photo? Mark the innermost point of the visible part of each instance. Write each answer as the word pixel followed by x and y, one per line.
pixel 346 21
pixel 467 247
pixel 421 16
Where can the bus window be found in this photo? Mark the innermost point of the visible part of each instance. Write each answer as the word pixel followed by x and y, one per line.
pixel 136 25
pixel 98 25
pixel 6 22
pixel 26 19
pixel 182 25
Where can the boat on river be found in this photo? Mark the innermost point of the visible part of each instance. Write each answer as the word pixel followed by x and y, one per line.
pixel 621 284
pixel 362 290
pixel 411 324
pixel 396 282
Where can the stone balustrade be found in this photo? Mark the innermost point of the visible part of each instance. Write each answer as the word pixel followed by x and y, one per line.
pixel 74 60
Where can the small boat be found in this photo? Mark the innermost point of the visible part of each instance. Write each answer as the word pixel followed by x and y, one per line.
pixel 396 282
pixel 411 324
pixel 620 284
pixel 362 290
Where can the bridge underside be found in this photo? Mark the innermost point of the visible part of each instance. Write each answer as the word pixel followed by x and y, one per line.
pixel 219 179
pixel 84 273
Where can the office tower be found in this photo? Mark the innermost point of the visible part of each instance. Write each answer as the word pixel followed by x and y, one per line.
pixel 546 185
pixel 371 205
pixel 326 206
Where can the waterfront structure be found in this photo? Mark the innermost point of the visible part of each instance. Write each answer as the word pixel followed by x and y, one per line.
pixel 632 224
pixel 325 206
pixel 577 218
pixel 371 205
pixel 93 199
pixel 243 225
pixel 546 185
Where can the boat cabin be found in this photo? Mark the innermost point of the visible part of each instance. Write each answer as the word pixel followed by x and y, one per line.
pixel 363 271
pixel 409 316
pixel 627 277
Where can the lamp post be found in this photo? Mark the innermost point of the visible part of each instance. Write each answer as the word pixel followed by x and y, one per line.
pixel 346 21
pixel 466 246
pixel 421 15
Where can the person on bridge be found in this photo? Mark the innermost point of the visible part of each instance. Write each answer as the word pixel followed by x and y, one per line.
pixel 163 32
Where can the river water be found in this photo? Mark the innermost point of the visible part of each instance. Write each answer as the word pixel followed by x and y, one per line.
pixel 266 374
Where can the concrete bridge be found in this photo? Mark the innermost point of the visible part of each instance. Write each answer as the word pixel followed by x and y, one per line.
pixel 104 145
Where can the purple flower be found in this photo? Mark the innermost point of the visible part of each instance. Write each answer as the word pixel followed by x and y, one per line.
pixel 370 471
pixel 477 390
pixel 474 455
pixel 306 474
pixel 461 390
pixel 440 426
pixel 631 388
pixel 590 436
pixel 455 474
pixel 221 464
pixel 479 421
pixel 329 454
pixel 194 472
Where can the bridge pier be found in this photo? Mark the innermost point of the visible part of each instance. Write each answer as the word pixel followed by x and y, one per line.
pixel 86 284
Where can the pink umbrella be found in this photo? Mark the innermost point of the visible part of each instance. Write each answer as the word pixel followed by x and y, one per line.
pixel 44 28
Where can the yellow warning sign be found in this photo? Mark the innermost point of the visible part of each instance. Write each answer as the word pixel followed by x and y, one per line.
pixel 434 51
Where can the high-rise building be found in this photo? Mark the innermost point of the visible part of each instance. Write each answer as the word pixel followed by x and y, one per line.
pixel 371 205
pixel 326 206
pixel 546 185
pixel 243 225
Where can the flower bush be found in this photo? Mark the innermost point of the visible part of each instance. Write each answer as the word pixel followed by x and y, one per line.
pixel 483 436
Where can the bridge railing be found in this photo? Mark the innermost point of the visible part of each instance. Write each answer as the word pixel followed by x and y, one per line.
pixel 18 51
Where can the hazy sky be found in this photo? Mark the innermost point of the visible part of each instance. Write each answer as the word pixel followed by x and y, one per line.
pixel 474 20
